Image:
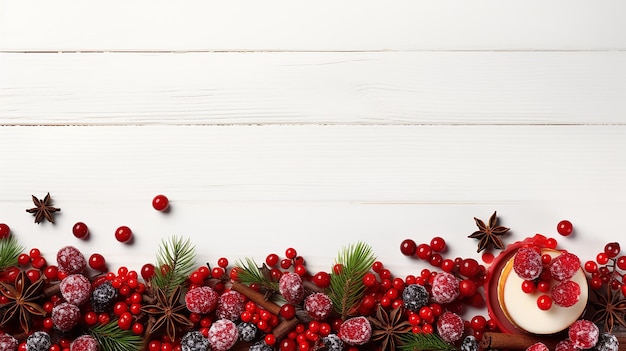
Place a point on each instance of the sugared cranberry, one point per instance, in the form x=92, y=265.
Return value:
x=584, y=334
x=527, y=263
x=450, y=326
x=355, y=331
x=70, y=260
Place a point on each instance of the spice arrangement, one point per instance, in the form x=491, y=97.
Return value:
x=72, y=302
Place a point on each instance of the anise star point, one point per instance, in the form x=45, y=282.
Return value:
x=43, y=209
x=488, y=235
x=388, y=326
x=167, y=313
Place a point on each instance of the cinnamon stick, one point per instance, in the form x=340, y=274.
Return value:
x=501, y=341
x=257, y=297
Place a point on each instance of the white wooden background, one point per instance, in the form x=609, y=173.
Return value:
x=272, y=124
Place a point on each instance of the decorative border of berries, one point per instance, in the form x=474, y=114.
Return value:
x=178, y=305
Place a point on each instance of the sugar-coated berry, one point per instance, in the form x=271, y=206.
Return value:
x=607, y=342
x=38, y=341
x=355, y=331
x=247, y=331
x=584, y=334
x=450, y=326
x=538, y=346
x=160, y=202
x=445, y=288
x=103, y=297
x=201, y=300
x=80, y=230
x=527, y=263
x=291, y=287
x=332, y=342
x=194, y=341
x=565, y=345
x=230, y=305
x=415, y=296
x=223, y=334
x=8, y=342
x=123, y=234
x=318, y=306
x=261, y=345
x=564, y=266
x=469, y=344
x=75, y=289
x=70, y=260
x=65, y=316
x=84, y=343
x=566, y=293
x=564, y=227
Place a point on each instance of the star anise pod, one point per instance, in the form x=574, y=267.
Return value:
x=23, y=304
x=388, y=326
x=610, y=307
x=167, y=311
x=489, y=234
x=43, y=209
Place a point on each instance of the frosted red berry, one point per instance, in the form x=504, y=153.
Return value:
x=355, y=331
x=160, y=202
x=527, y=263
x=445, y=288
x=538, y=346
x=230, y=305
x=80, y=230
x=84, y=343
x=291, y=287
x=201, y=300
x=450, y=326
x=564, y=227
x=75, y=289
x=223, y=335
x=8, y=342
x=564, y=266
x=318, y=306
x=70, y=260
x=5, y=231
x=584, y=334
x=123, y=234
x=65, y=316
x=566, y=293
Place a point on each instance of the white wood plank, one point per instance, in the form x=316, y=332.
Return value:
x=191, y=25
x=311, y=88
x=247, y=191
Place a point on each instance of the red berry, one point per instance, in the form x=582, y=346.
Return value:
x=318, y=306
x=80, y=230
x=528, y=286
x=290, y=286
x=147, y=271
x=287, y=311
x=38, y=262
x=230, y=305
x=321, y=279
x=355, y=331
x=450, y=327
x=423, y=251
x=65, y=316
x=584, y=334
x=612, y=249
x=97, y=262
x=377, y=266
x=23, y=259
x=469, y=267
x=291, y=253
x=478, y=323
x=445, y=288
x=271, y=260
x=51, y=272
x=33, y=275
x=544, y=302
x=408, y=247
x=70, y=260
x=5, y=231
x=621, y=262
x=285, y=263
x=369, y=280
x=75, y=289
x=602, y=258
x=592, y=267
x=566, y=293
x=564, y=227
x=223, y=335
x=160, y=202
x=438, y=244
x=527, y=263
x=222, y=262
x=564, y=266
x=123, y=234
x=538, y=346
x=543, y=286
x=467, y=287
x=551, y=243
x=201, y=300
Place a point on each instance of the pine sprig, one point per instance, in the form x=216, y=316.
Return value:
x=346, y=287
x=10, y=249
x=423, y=342
x=111, y=338
x=250, y=273
x=179, y=256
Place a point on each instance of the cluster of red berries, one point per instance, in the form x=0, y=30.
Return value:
x=608, y=268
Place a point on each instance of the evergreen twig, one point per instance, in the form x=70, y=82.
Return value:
x=250, y=273
x=111, y=338
x=346, y=287
x=10, y=249
x=423, y=342
x=178, y=256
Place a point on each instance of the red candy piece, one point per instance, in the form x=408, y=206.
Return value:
x=65, y=316
x=565, y=345
x=355, y=331
x=70, y=260
x=527, y=263
x=450, y=326
x=7, y=342
x=445, y=288
x=201, y=300
x=75, y=289
x=230, y=305
x=566, y=293
x=538, y=346
x=223, y=335
x=584, y=334
x=318, y=306
x=84, y=343
x=290, y=286
x=564, y=266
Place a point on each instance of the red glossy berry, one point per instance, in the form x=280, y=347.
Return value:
x=287, y=311
x=602, y=258
x=467, y=287
x=478, y=323
x=80, y=230
x=97, y=262
x=51, y=272
x=544, y=302
x=543, y=286
x=271, y=260
x=90, y=318
x=222, y=262
x=123, y=234
x=369, y=280
x=423, y=251
x=23, y=259
x=33, y=275
x=160, y=202
x=469, y=267
x=147, y=271
x=612, y=249
x=551, y=243
x=5, y=231
x=321, y=279
x=285, y=263
x=592, y=267
x=438, y=244
x=38, y=262
x=408, y=247
x=564, y=227
x=528, y=286
x=270, y=339
x=138, y=328
x=621, y=262
x=291, y=253
x=377, y=266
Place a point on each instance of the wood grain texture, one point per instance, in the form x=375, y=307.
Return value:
x=283, y=25
x=314, y=88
